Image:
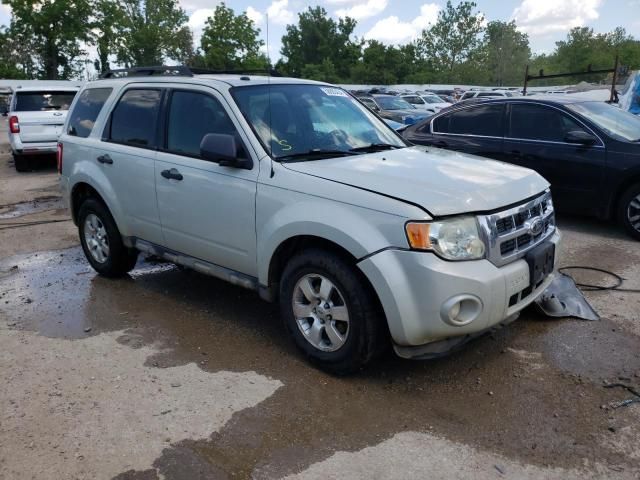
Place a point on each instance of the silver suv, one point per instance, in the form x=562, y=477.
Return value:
x=294, y=189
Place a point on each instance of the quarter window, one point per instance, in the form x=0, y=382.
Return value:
x=482, y=120
x=86, y=110
x=133, y=121
x=191, y=116
x=538, y=122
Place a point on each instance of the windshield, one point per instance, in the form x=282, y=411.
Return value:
x=617, y=123
x=432, y=99
x=393, y=103
x=293, y=120
x=39, y=101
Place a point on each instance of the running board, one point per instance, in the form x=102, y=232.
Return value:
x=202, y=266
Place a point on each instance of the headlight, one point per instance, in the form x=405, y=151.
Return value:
x=452, y=239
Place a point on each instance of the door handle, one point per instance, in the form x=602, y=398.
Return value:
x=105, y=159
x=172, y=174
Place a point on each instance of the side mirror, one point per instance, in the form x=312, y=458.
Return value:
x=222, y=148
x=580, y=137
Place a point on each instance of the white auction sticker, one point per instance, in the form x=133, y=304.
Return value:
x=334, y=92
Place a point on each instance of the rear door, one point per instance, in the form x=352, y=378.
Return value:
x=42, y=114
x=127, y=158
x=477, y=129
x=535, y=138
x=209, y=211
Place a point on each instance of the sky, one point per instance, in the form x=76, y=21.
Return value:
x=399, y=21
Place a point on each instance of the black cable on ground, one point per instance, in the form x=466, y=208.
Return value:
x=587, y=287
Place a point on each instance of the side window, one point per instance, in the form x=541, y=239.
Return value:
x=414, y=100
x=86, y=110
x=133, y=121
x=482, y=120
x=467, y=95
x=191, y=116
x=538, y=122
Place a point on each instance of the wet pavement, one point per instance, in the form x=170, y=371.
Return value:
x=528, y=401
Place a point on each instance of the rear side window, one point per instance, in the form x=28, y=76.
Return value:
x=86, y=110
x=191, y=116
x=483, y=120
x=133, y=121
x=43, y=101
x=539, y=122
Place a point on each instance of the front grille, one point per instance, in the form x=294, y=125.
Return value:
x=513, y=232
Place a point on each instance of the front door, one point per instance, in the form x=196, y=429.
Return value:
x=536, y=139
x=207, y=211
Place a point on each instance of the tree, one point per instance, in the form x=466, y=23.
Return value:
x=507, y=53
x=109, y=18
x=153, y=31
x=230, y=41
x=55, y=29
x=316, y=39
x=16, y=60
x=453, y=39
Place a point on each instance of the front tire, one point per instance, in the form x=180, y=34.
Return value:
x=331, y=312
x=629, y=211
x=102, y=242
x=21, y=163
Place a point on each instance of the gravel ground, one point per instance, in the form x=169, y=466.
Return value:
x=169, y=374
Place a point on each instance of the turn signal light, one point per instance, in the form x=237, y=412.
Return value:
x=14, y=125
x=418, y=235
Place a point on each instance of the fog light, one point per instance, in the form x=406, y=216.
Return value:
x=461, y=310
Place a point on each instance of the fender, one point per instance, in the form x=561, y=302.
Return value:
x=92, y=175
x=346, y=225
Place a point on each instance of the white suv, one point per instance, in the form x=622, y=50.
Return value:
x=295, y=189
x=36, y=115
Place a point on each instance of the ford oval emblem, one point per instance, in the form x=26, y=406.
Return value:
x=536, y=226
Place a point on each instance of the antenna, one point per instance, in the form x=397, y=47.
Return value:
x=269, y=102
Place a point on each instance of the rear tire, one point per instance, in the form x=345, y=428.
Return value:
x=102, y=242
x=21, y=163
x=629, y=211
x=331, y=312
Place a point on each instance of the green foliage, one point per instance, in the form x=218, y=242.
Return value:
x=317, y=38
x=15, y=60
x=453, y=40
x=109, y=19
x=54, y=30
x=506, y=52
x=231, y=41
x=153, y=31
x=582, y=48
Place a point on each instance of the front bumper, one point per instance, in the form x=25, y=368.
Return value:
x=416, y=288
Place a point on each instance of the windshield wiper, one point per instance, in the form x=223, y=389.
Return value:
x=375, y=147
x=316, y=154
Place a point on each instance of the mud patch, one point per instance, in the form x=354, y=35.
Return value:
x=421, y=455
x=92, y=409
x=37, y=205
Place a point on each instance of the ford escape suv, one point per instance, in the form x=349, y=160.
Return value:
x=36, y=116
x=296, y=190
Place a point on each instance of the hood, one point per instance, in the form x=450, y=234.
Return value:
x=441, y=181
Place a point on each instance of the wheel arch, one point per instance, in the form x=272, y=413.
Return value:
x=634, y=179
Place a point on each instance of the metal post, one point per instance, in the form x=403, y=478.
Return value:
x=613, y=96
x=526, y=81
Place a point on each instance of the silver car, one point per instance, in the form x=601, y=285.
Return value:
x=294, y=189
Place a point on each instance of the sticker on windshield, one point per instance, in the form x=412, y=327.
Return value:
x=334, y=92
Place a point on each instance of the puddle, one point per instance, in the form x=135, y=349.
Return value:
x=41, y=204
x=485, y=396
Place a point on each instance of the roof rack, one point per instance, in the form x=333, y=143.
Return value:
x=179, y=70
